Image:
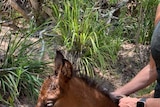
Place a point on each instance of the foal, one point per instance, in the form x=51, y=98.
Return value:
x=67, y=90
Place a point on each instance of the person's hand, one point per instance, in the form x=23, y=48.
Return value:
x=128, y=102
x=115, y=94
x=116, y=97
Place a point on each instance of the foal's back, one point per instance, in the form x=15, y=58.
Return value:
x=79, y=94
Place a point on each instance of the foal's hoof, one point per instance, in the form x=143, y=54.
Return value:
x=49, y=103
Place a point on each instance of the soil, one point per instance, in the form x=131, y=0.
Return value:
x=131, y=58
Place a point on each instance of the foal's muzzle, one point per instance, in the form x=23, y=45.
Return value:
x=50, y=103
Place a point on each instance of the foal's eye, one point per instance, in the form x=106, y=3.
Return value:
x=56, y=72
x=53, y=87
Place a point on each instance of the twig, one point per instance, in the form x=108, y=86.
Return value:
x=10, y=69
x=110, y=13
x=43, y=43
x=19, y=9
x=121, y=4
x=34, y=4
x=140, y=19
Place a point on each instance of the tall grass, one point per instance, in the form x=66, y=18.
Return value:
x=83, y=34
x=20, y=68
x=148, y=11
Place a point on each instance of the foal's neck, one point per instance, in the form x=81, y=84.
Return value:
x=85, y=94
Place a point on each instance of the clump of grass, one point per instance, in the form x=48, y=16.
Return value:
x=148, y=12
x=20, y=70
x=83, y=34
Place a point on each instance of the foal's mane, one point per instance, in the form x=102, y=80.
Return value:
x=98, y=83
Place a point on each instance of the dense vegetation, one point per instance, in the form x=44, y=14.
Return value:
x=88, y=32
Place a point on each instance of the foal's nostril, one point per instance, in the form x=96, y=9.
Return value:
x=50, y=103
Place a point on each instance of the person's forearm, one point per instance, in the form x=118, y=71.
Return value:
x=141, y=80
x=153, y=102
x=157, y=17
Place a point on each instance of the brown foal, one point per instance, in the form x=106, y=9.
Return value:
x=66, y=90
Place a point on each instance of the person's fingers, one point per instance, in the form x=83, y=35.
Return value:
x=128, y=102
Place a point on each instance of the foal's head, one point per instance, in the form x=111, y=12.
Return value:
x=67, y=90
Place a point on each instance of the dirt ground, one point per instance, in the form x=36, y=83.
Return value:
x=131, y=58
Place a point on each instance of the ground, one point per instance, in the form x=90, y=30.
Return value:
x=131, y=59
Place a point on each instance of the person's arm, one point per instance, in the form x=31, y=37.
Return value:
x=145, y=77
x=157, y=17
x=153, y=102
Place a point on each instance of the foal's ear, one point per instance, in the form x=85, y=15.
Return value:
x=65, y=74
x=62, y=66
x=67, y=69
x=58, y=61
